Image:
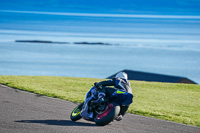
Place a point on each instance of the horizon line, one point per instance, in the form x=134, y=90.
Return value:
x=105, y=15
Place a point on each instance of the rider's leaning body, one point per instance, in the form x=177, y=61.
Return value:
x=119, y=82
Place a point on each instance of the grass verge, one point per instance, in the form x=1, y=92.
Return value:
x=174, y=102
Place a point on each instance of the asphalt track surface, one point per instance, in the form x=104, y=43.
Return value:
x=23, y=112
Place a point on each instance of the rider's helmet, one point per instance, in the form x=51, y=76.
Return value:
x=122, y=75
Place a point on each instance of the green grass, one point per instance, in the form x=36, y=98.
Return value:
x=174, y=102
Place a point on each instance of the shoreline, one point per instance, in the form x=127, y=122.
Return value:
x=52, y=42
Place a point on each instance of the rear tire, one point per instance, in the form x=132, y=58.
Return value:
x=108, y=115
x=75, y=115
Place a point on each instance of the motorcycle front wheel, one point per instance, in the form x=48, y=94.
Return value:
x=75, y=115
x=109, y=114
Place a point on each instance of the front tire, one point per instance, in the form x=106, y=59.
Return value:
x=75, y=115
x=108, y=115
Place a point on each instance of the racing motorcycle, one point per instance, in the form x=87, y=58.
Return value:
x=102, y=113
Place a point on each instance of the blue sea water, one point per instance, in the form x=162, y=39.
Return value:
x=165, y=45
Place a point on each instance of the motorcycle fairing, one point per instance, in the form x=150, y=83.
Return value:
x=84, y=113
x=88, y=97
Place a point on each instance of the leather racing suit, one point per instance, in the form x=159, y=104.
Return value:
x=119, y=84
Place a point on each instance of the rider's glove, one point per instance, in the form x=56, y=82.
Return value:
x=97, y=86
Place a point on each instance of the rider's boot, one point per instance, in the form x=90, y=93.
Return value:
x=122, y=113
x=119, y=118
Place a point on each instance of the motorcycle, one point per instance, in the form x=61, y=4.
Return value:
x=102, y=113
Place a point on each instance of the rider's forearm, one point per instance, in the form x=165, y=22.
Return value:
x=107, y=83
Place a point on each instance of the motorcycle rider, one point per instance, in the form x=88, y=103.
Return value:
x=120, y=82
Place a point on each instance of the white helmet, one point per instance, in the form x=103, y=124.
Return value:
x=122, y=75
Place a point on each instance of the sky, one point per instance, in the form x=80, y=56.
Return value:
x=156, y=7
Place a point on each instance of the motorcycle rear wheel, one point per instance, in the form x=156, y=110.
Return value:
x=75, y=115
x=111, y=112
